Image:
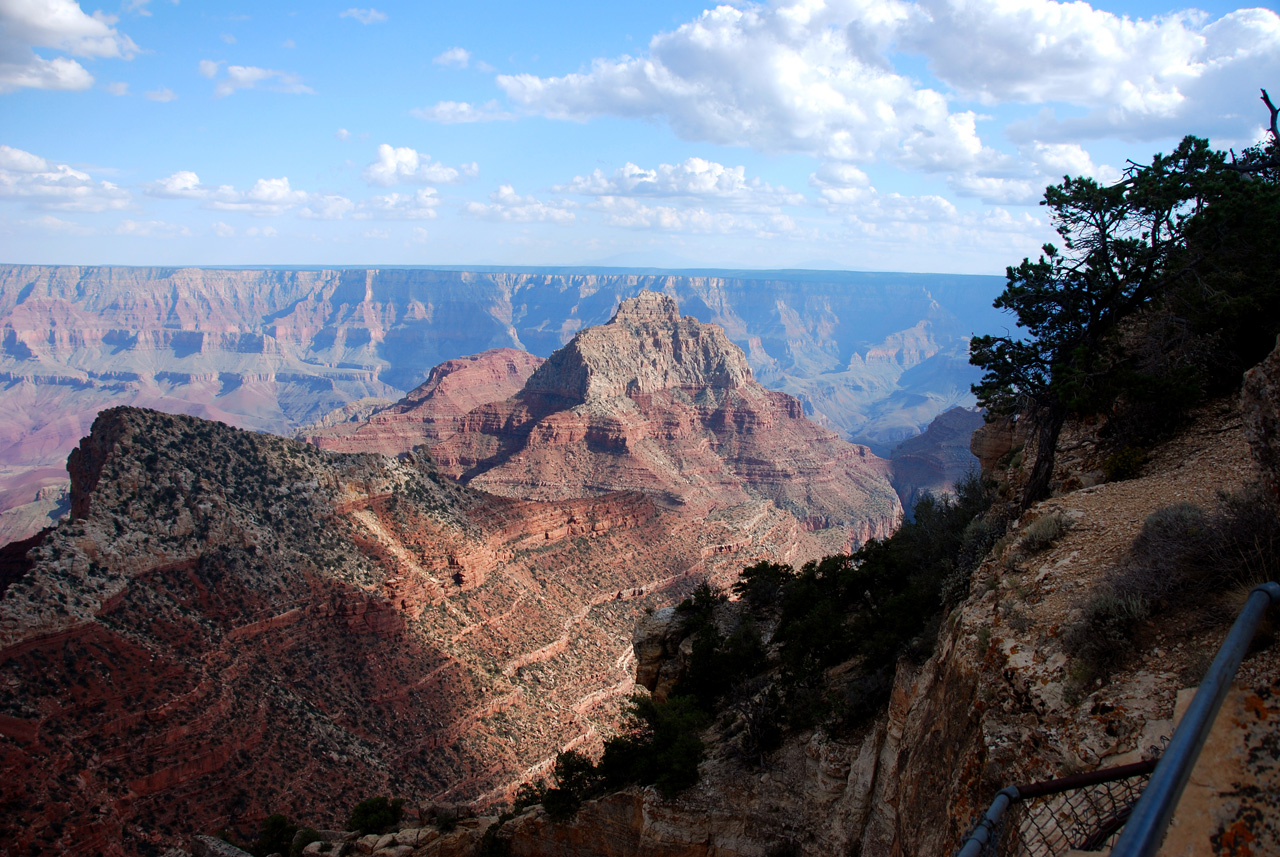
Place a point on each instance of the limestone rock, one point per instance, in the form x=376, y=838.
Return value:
x=1260, y=400
x=211, y=846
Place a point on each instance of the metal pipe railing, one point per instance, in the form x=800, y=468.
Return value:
x=1144, y=832
x=986, y=830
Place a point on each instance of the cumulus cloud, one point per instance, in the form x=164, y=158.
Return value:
x=240, y=77
x=55, y=25
x=1140, y=78
x=454, y=57
x=364, y=16
x=819, y=77
x=783, y=78
x=118, y=88
x=458, y=112
x=695, y=178
x=342, y=134
x=261, y=232
x=420, y=205
x=266, y=198
x=508, y=206
x=45, y=185
x=223, y=230
x=405, y=165
x=163, y=94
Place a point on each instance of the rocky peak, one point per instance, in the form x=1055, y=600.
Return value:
x=647, y=308
x=645, y=348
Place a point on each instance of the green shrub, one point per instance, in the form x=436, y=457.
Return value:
x=376, y=815
x=275, y=836
x=1184, y=559
x=302, y=839
x=1126, y=463
x=1044, y=531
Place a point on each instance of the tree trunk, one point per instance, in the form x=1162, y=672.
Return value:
x=1049, y=421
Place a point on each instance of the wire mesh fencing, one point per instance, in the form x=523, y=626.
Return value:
x=1084, y=812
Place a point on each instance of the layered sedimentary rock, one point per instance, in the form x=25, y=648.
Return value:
x=434, y=410
x=650, y=402
x=939, y=457
x=234, y=624
x=872, y=356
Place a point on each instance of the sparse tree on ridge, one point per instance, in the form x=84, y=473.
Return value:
x=1124, y=246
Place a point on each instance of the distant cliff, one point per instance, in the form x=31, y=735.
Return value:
x=872, y=356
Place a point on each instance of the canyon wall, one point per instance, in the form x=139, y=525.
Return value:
x=872, y=356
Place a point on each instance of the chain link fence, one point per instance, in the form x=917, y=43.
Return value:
x=1083, y=812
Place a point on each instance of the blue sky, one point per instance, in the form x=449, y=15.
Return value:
x=863, y=134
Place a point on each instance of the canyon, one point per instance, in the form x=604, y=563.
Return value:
x=232, y=623
x=873, y=357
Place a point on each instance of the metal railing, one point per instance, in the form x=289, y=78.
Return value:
x=1143, y=813
x=1145, y=830
x=1045, y=819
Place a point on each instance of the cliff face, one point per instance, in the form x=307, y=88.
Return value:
x=651, y=402
x=235, y=624
x=869, y=355
x=998, y=702
x=434, y=410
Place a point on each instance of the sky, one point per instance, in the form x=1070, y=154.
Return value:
x=853, y=134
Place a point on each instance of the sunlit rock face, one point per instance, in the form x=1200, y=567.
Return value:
x=873, y=357
x=651, y=402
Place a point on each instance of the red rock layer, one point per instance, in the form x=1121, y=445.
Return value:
x=431, y=412
x=235, y=624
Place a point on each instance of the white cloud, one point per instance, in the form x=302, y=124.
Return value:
x=266, y=198
x=250, y=77
x=377, y=233
x=404, y=165
x=420, y=205
x=118, y=88
x=163, y=94
x=228, y=38
x=326, y=207
x=152, y=229
x=343, y=134
x=183, y=184
x=842, y=184
x=419, y=235
x=223, y=230
x=364, y=16
x=261, y=232
x=458, y=112
x=56, y=25
x=55, y=187
x=506, y=205
x=783, y=78
x=1143, y=78
x=454, y=57
x=694, y=178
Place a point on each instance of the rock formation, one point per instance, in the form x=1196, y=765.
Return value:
x=935, y=460
x=995, y=705
x=649, y=402
x=233, y=624
x=872, y=356
x=432, y=412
